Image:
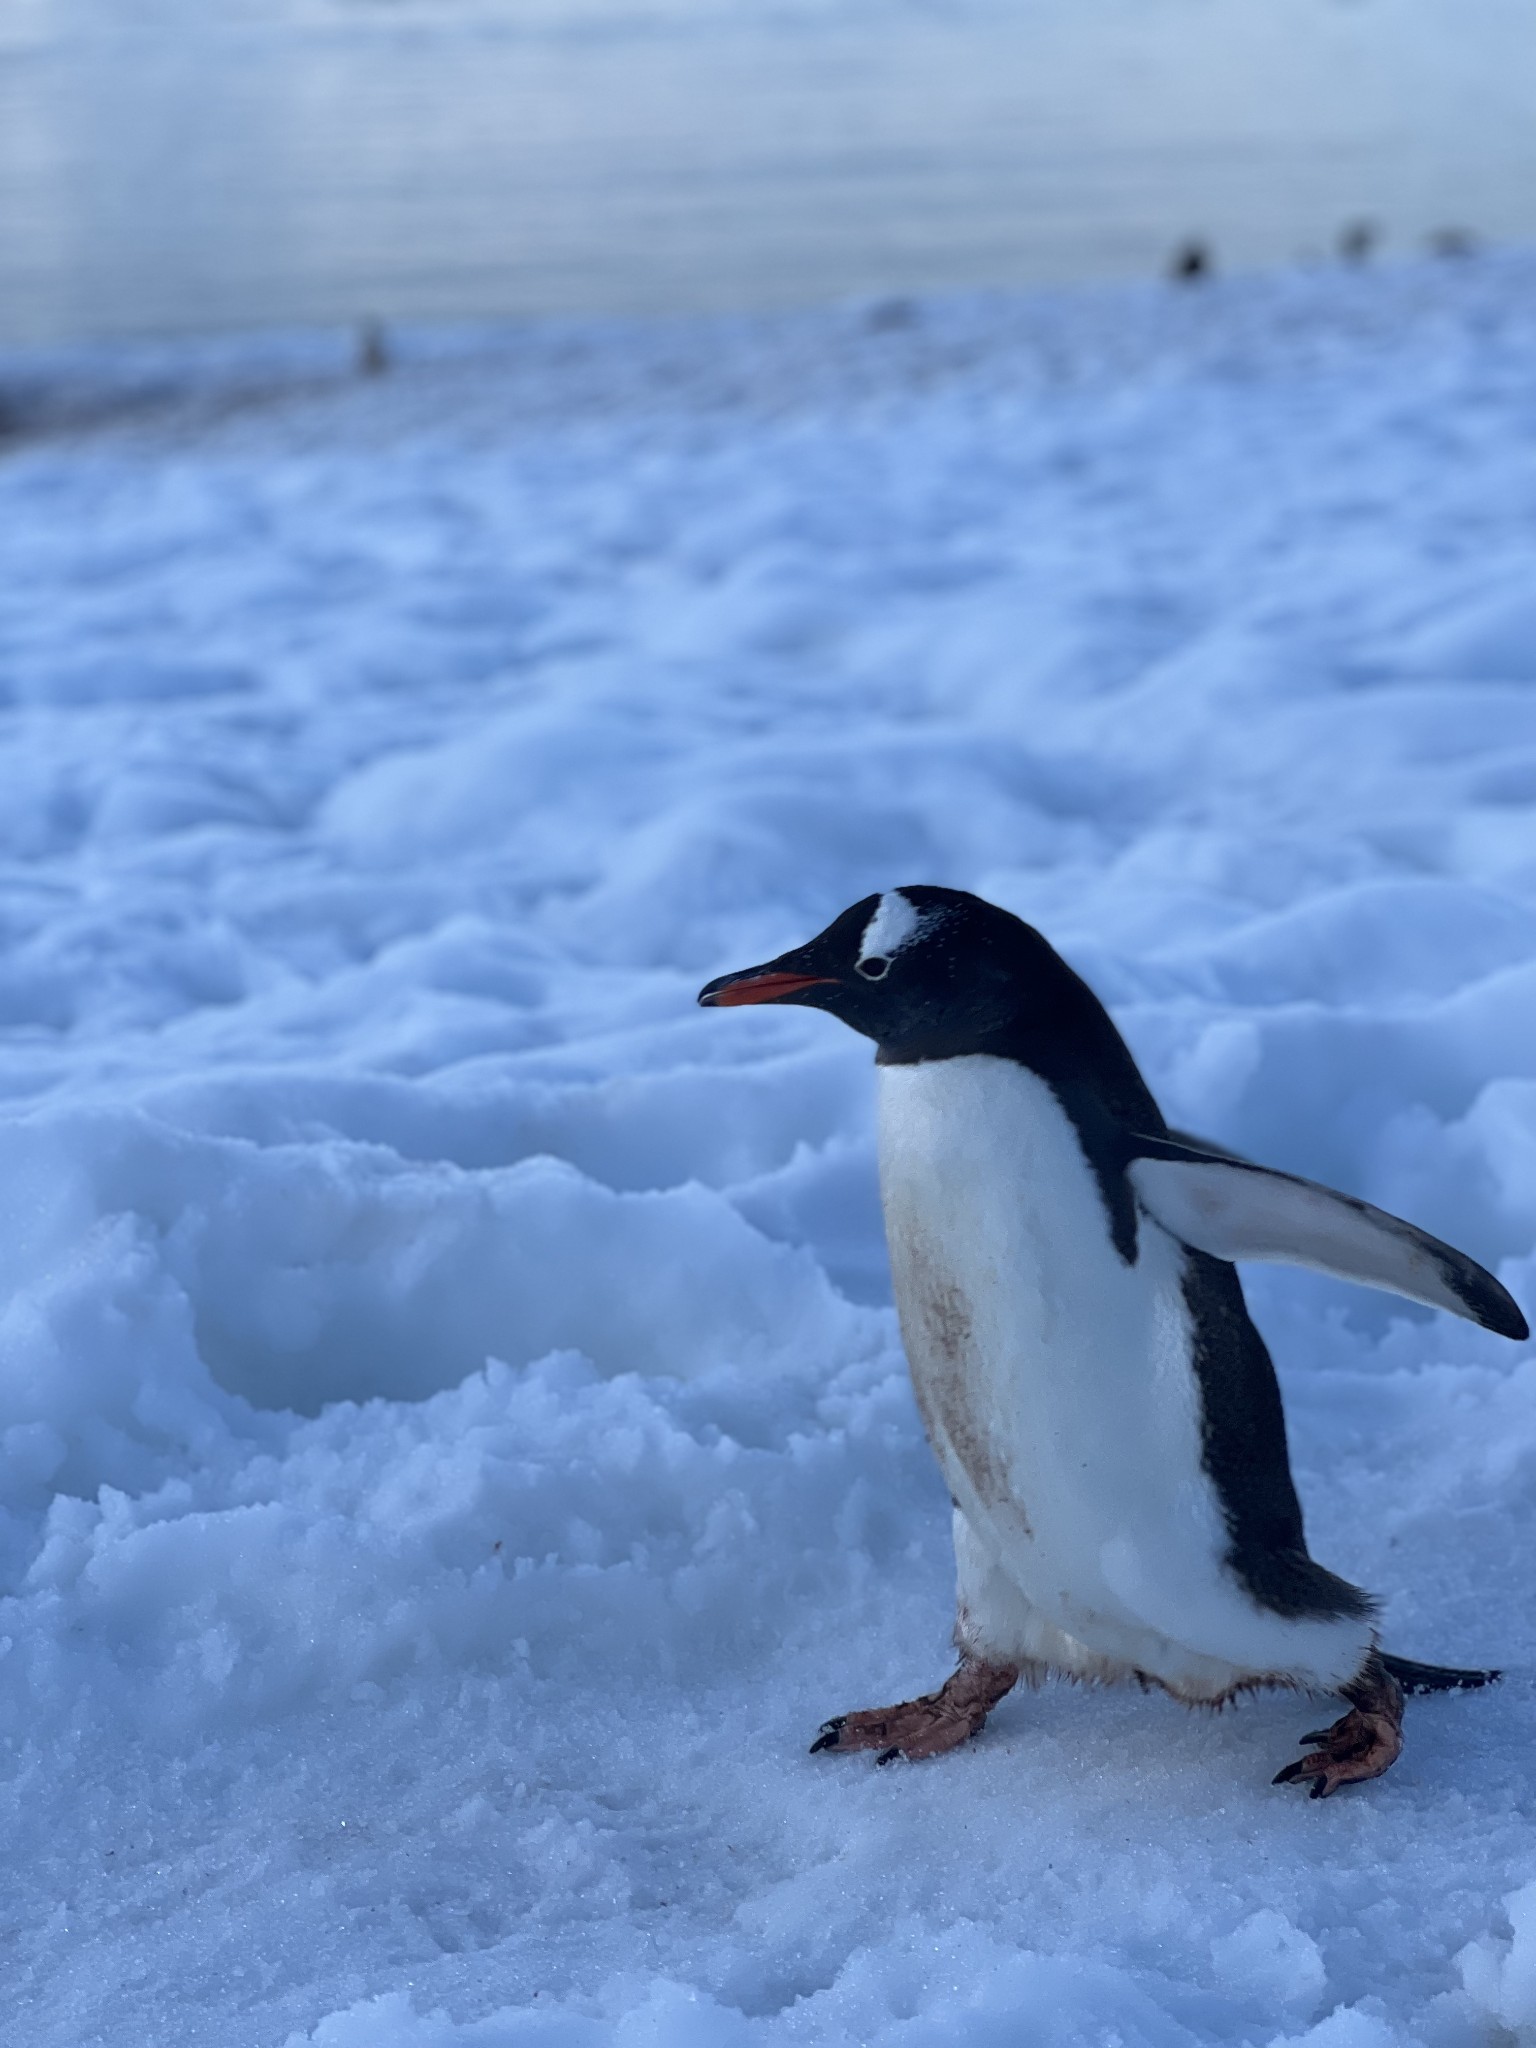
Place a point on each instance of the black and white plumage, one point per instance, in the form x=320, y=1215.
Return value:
x=1104, y=1411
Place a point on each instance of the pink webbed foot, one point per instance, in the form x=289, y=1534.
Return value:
x=1360, y=1744
x=925, y=1727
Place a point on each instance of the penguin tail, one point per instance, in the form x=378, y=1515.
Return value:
x=1419, y=1678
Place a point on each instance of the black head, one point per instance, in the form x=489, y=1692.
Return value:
x=934, y=974
x=918, y=966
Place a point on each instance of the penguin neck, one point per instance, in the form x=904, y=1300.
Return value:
x=1072, y=1045
x=1088, y=1067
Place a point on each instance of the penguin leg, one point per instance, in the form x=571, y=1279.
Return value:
x=992, y=1622
x=929, y=1726
x=1362, y=1743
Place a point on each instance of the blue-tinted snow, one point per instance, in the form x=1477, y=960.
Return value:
x=455, y=1444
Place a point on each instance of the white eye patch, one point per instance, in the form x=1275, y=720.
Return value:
x=894, y=925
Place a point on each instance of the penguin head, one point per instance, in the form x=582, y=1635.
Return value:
x=926, y=972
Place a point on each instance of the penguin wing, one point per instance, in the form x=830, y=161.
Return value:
x=1235, y=1210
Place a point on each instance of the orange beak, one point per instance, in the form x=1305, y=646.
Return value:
x=758, y=987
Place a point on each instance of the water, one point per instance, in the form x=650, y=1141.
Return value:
x=168, y=165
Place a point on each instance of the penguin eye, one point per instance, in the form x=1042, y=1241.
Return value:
x=875, y=968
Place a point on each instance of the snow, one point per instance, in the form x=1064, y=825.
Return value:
x=454, y=1444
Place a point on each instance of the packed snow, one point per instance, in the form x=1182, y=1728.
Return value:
x=456, y=1445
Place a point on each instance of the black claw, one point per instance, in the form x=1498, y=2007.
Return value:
x=1321, y=1789
x=826, y=1740
x=1303, y=1767
x=887, y=1756
x=1318, y=1735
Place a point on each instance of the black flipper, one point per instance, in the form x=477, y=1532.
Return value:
x=1436, y=1677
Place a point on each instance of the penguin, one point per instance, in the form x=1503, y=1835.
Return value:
x=1103, y=1409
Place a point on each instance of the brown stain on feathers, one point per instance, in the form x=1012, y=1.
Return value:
x=938, y=1327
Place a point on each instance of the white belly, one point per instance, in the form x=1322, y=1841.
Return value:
x=1056, y=1386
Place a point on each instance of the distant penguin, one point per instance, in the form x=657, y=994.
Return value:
x=1358, y=240
x=1191, y=262
x=1453, y=243
x=1105, y=1413
x=372, y=349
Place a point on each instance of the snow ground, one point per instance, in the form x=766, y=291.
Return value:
x=455, y=1443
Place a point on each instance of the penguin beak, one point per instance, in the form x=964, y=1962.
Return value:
x=770, y=984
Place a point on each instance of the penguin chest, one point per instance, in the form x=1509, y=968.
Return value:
x=1054, y=1377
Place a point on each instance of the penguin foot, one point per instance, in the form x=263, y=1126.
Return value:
x=929, y=1726
x=1362, y=1743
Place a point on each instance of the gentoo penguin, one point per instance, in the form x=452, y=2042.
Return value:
x=1105, y=1413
